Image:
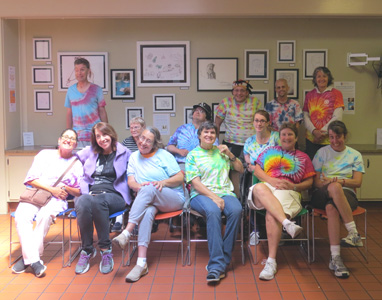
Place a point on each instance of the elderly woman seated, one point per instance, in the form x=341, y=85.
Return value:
x=283, y=172
x=155, y=176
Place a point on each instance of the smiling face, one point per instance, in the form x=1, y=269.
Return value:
x=288, y=139
x=322, y=80
x=199, y=115
x=146, y=142
x=337, y=141
x=260, y=123
x=282, y=88
x=136, y=130
x=240, y=93
x=68, y=141
x=104, y=141
x=81, y=72
x=207, y=137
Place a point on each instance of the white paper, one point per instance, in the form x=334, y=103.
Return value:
x=379, y=136
x=347, y=89
x=11, y=77
x=28, y=139
x=162, y=122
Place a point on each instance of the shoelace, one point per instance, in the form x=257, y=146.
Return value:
x=83, y=259
x=106, y=258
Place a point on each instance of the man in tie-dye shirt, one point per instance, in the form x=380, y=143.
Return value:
x=283, y=110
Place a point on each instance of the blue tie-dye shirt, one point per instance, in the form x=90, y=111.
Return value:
x=288, y=112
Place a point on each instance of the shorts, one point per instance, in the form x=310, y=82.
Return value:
x=320, y=198
x=289, y=200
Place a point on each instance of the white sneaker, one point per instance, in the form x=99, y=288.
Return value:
x=254, y=238
x=352, y=240
x=269, y=271
x=121, y=240
x=293, y=229
x=337, y=265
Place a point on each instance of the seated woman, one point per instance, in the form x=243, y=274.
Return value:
x=338, y=172
x=104, y=192
x=155, y=176
x=283, y=172
x=41, y=175
x=207, y=168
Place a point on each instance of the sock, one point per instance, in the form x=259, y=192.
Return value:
x=126, y=233
x=271, y=260
x=141, y=261
x=285, y=222
x=335, y=250
x=351, y=228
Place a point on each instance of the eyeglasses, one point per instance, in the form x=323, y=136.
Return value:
x=201, y=110
x=66, y=137
x=144, y=140
x=260, y=121
x=135, y=127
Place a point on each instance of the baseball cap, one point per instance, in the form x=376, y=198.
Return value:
x=205, y=107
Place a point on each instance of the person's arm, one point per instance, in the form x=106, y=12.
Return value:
x=76, y=192
x=318, y=134
x=174, y=150
x=134, y=185
x=103, y=114
x=69, y=118
x=250, y=167
x=262, y=176
x=173, y=181
x=354, y=182
x=337, y=115
x=56, y=191
x=236, y=163
x=203, y=190
x=218, y=122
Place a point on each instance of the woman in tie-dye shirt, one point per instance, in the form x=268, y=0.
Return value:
x=283, y=172
x=322, y=105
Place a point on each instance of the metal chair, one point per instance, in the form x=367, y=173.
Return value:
x=357, y=212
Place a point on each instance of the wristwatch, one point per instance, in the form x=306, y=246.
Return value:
x=233, y=158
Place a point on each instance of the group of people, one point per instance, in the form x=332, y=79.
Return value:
x=140, y=173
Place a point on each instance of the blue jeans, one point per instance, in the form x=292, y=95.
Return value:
x=220, y=248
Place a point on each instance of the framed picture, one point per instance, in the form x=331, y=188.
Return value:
x=291, y=76
x=42, y=75
x=187, y=114
x=42, y=49
x=214, y=107
x=164, y=103
x=256, y=64
x=132, y=112
x=122, y=84
x=163, y=63
x=313, y=58
x=43, y=101
x=98, y=66
x=261, y=95
x=286, y=51
x=216, y=74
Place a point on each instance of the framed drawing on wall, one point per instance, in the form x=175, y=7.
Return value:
x=216, y=74
x=42, y=75
x=313, y=58
x=123, y=84
x=187, y=114
x=214, y=107
x=256, y=64
x=42, y=49
x=98, y=66
x=261, y=95
x=43, y=101
x=132, y=112
x=291, y=76
x=286, y=51
x=164, y=103
x=163, y=63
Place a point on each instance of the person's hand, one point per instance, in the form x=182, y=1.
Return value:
x=183, y=152
x=318, y=135
x=219, y=202
x=59, y=193
x=158, y=184
x=285, y=185
x=140, y=185
x=224, y=149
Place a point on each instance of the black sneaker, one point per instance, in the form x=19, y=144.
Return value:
x=38, y=268
x=19, y=267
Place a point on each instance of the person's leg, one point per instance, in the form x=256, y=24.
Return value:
x=83, y=207
x=208, y=209
x=336, y=192
x=232, y=211
x=144, y=232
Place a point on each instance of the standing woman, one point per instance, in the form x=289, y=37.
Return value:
x=339, y=170
x=104, y=192
x=322, y=105
x=43, y=176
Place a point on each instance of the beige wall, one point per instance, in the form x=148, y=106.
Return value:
x=209, y=38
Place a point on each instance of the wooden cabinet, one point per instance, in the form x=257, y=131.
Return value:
x=371, y=189
x=17, y=168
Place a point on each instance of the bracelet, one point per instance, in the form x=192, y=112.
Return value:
x=63, y=188
x=233, y=158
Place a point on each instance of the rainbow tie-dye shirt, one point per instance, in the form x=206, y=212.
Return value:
x=320, y=107
x=294, y=166
x=238, y=118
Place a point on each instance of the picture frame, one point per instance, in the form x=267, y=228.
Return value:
x=43, y=101
x=42, y=75
x=164, y=63
x=286, y=51
x=187, y=114
x=261, y=95
x=122, y=84
x=214, y=106
x=216, y=73
x=42, y=49
x=164, y=103
x=98, y=65
x=256, y=64
x=291, y=76
x=313, y=58
x=132, y=112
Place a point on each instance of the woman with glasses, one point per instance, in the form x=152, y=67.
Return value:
x=283, y=172
x=43, y=176
x=104, y=192
x=155, y=176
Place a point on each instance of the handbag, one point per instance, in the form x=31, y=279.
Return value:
x=41, y=197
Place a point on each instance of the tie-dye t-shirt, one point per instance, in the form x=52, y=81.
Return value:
x=294, y=166
x=338, y=164
x=320, y=107
x=185, y=137
x=85, y=109
x=288, y=112
x=213, y=169
x=238, y=118
x=253, y=148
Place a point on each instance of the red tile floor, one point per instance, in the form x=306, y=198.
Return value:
x=168, y=279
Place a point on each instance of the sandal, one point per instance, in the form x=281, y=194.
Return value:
x=215, y=276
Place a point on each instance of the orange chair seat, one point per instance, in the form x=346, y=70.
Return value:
x=358, y=211
x=171, y=214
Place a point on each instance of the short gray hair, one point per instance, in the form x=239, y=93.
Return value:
x=138, y=120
